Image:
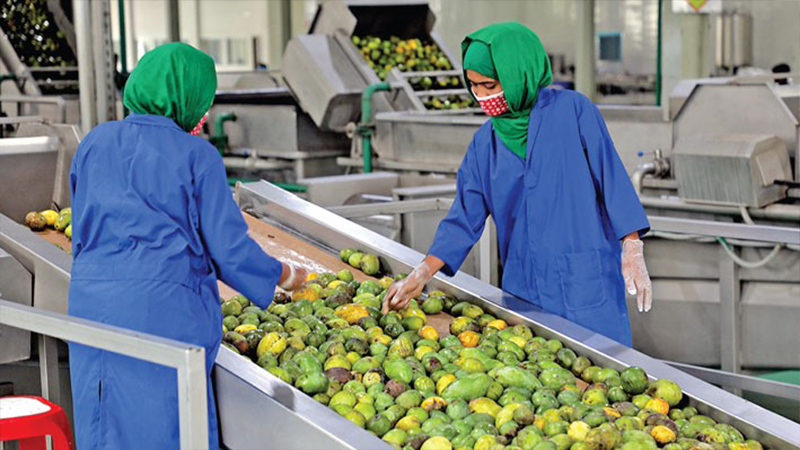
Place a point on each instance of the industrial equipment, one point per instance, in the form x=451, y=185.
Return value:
x=327, y=74
x=732, y=169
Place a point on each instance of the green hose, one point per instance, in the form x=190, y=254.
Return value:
x=366, y=128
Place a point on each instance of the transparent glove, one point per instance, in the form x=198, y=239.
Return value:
x=292, y=277
x=634, y=270
x=401, y=292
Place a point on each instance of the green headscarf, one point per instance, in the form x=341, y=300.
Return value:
x=174, y=80
x=512, y=54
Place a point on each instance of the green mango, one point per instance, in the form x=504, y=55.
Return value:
x=433, y=305
x=555, y=378
x=400, y=348
x=566, y=357
x=346, y=253
x=296, y=327
x=528, y=437
x=469, y=387
x=307, y=363
x=508, y=346
x=514, y=395
x=409, y=399
x=379, y=425
x=667, y=390
x=366, y=364
x=370, y=264
x=495, y=390
x=398, y=369
x=312, y=383
x=517, y=377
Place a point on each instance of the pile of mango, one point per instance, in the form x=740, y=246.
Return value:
x=414, y=55
x=32, y=31
x=489, y=385
x=408, y=55
x=367, y=263
x=58, y=220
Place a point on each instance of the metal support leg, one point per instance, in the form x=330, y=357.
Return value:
x=485, y=253
x=48, y=369
x=730, y=315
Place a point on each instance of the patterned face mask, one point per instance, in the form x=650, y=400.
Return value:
x=493, y=105
x=196, y=130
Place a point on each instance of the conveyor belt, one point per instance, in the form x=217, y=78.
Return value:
x=286, y=247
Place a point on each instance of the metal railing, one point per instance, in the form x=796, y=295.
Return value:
x=187, y=359
x=58, y=101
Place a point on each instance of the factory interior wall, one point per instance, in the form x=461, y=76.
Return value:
x=775, y=31
x=147, y=25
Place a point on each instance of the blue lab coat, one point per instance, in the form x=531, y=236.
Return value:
x=154, y=227
x=560, y=213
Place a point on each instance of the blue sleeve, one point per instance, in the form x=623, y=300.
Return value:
x=463, y=225
x=239, y=260
x=625, y=211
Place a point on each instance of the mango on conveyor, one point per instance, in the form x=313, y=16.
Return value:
x=487, y=386
x=35, y=221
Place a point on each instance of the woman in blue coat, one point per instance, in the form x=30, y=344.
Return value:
x=544, y=167
x=154, y=227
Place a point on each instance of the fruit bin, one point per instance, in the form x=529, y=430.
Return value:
x=244, y=390
x=327, y=72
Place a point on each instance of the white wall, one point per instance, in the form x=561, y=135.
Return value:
x=555, y=21
x=776, y=27
x=240, y=20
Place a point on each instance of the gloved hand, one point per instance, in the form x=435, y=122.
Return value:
x=292, y=277
x=401, y=292
x=634, y=270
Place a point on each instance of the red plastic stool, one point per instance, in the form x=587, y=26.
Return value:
x=28, y=419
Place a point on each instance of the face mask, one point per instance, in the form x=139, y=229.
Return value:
x=197, y=129
x=494, y=104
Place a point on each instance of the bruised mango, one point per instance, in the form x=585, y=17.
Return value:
x=352, y=313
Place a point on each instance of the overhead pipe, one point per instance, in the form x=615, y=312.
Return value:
x=367, y=128
x=787, y=213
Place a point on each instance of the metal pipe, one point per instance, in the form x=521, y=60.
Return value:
x=16, y=68
x=83, y=29
x=642, y=170
x=789, y=213
x=291, y=187
x=220, y=139
x=59, y=101
x=366, y=129
x=252, y=163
